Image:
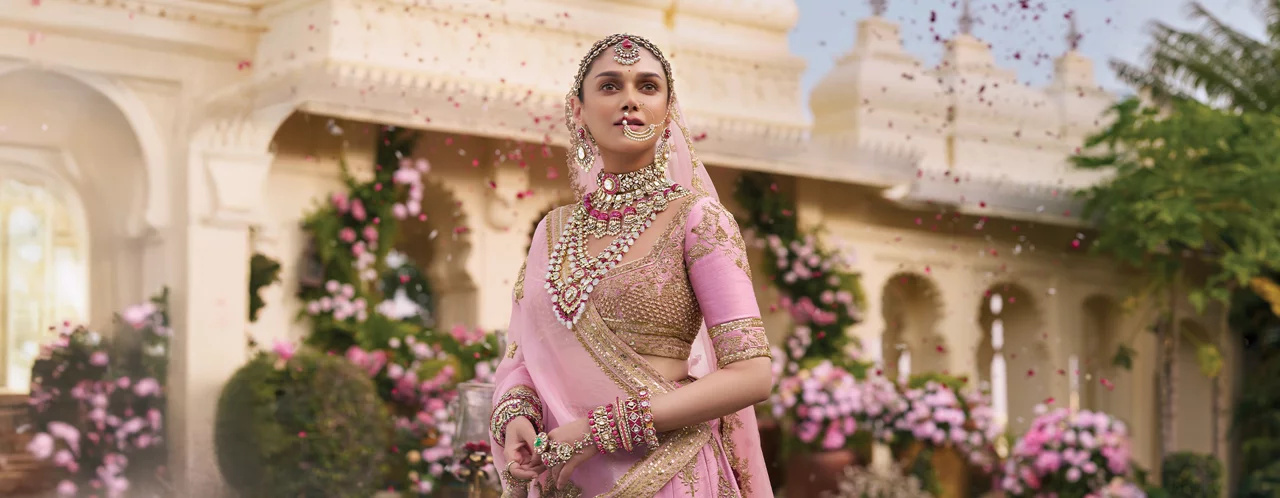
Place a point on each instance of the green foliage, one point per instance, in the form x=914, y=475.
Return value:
x=263, y=272
x=1256, y=423
x=1218, y=61
x=919, y=380
x=1261, y=483
x=1189, y=180
x=310, y=425
x=1190, y=475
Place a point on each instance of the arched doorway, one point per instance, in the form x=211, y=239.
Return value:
x=911, y=306
x=1013, y=357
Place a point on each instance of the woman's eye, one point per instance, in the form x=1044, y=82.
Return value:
x=608, y=86
x=650, y=86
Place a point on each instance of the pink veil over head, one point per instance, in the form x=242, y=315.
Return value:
x=740, y=430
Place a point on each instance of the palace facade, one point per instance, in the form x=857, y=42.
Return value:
x=154, y=143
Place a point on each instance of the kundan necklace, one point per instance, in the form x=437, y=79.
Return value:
x=623, y=207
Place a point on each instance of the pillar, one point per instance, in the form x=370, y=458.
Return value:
x=962, y=290
x=224, y=187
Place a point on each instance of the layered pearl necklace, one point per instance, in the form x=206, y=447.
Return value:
x=623, y=207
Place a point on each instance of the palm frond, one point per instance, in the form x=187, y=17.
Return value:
x=1194, y=61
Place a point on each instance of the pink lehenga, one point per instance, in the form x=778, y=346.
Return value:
x=689, y=297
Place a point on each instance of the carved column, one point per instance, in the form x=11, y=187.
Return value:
x=226, y=173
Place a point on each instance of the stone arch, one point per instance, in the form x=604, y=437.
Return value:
x=1193, y=405
x=71, y=130
x=442, y=246
x=1013, y=340
x=912, y=306
x=146, y=133
x=1100, y=327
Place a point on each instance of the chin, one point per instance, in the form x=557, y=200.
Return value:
x=625, y=146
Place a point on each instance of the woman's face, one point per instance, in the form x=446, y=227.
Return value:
x=610, y=88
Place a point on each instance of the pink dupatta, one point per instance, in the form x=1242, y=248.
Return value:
x=574, y=371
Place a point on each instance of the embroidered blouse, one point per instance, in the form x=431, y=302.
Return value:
x=696, y=271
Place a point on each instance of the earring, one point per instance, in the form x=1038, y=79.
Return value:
x=584, y=148
x=663, y=153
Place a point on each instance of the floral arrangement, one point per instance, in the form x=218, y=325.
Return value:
x=1119, y=488
x=368, y=303
x=942, y=415
x=819, y=288
x=1069, y=454
x=98, y=410
x=827, y=408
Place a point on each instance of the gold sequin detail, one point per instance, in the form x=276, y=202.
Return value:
x=569, y=490
x=742, y=474
x=649, y=302
x=511, y=350
x=718, y=232
x=738, y=340
x=518, y=291
x=689, y=476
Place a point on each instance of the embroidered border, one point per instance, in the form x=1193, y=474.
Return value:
x=518, y=290
x=632, y=373
x=738, y=340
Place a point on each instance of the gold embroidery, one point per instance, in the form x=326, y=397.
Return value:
x=689, y=476
x=724, y=487
x=739, y=340
x=741, y=473
x=518, y=292
x=570, y=490
x=714, y=237
x=649, y=302
x=511, y=350
x=632, y=373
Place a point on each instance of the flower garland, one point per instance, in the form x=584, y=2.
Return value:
x=367, y=302
x=1069, y=454
x=98, y=413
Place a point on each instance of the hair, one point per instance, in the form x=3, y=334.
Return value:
x=599, y=47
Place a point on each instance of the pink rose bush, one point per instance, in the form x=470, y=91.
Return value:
x=939, y=415
x=98, y=411
x=1069, y=455
x=824, y=404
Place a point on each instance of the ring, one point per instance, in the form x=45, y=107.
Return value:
x=508, y=468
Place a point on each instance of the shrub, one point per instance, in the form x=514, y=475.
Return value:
x=303, y=424
x=1191, y=475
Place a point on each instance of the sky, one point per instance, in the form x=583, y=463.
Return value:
x=1110, y=29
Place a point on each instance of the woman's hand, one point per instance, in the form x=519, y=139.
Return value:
x=569, y=434
x=519, y=448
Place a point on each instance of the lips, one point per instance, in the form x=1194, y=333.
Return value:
x=630, y=122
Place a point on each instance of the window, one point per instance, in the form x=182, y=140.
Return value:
x=42, y=276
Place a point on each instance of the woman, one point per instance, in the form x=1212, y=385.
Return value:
x=636, y=352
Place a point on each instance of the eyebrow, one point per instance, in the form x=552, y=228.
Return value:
x=615, y=74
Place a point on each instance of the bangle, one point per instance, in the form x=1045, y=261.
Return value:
x=519, y=401
x=603, y=429
x=624, y=436
x=639, y=420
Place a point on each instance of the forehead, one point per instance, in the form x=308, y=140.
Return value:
x=648, y=63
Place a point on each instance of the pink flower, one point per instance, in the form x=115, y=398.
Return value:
x=284, y=349
x=146, y=387
x=370, y=233
x=67, y=488
x=63, y=458
x=347, y=235
x=136, y=316
x=357, y=210
x=99, y=359
x=41, y=446
x=339, y=200
x=834, y=439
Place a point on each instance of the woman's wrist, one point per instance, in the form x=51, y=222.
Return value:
x=517, y=402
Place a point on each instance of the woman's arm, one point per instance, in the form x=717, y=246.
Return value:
x=716, y=258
